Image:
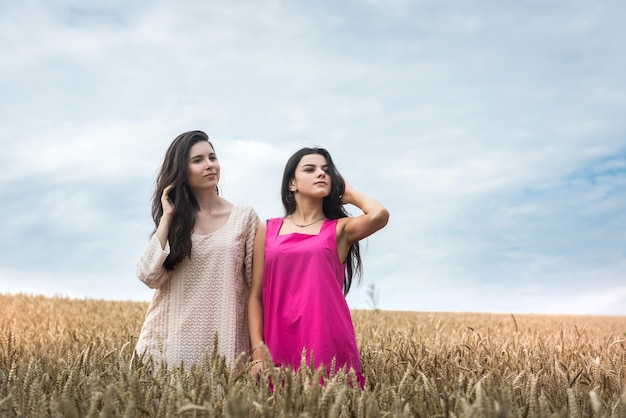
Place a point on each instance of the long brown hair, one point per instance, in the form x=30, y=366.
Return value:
x=174, y=171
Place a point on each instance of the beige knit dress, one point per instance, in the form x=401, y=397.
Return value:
x=205, y=293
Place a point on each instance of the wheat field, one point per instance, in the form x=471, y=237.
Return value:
x=63, y=357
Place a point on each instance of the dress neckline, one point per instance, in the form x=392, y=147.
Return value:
x=230, y=215
x=282, y=220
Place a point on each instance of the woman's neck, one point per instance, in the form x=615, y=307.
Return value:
x=209, y=202
x=307, y=211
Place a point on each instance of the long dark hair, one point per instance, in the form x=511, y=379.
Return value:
x=332, y=206
x=174, y=171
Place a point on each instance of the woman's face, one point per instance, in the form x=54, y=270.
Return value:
x=203, y=169
x=311, y=177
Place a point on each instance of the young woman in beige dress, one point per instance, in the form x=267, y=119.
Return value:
x=198, y=260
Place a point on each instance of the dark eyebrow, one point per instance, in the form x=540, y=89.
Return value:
x=313, y=165
x=201, y=155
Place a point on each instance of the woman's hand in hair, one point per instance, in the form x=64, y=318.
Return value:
x=166, y=202
x=354, y=228
x=163, y=229
x=347, y=193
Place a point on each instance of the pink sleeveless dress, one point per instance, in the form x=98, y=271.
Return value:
x=303, y=302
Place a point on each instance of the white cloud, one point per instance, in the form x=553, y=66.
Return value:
x=104, y=149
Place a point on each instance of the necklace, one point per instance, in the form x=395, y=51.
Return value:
x=305, y=225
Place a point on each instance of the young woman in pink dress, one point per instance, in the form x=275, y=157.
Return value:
x=303, y=267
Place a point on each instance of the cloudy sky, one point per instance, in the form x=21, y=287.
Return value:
x=494, y=132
